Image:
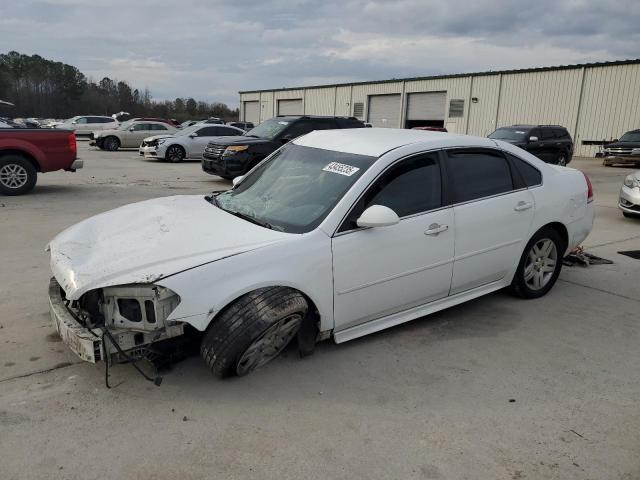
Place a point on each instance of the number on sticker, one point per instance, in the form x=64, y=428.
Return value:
x=341, y=168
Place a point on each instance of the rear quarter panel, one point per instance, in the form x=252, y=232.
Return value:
x=48, y=147
x=561, y=198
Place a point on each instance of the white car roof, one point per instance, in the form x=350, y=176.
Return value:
x=376, y=141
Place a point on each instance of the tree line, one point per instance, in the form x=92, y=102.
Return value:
x=43, y=88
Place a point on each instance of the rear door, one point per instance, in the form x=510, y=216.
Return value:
x=141, y=130
x=381, y=271
x=550, y=146
x=493, y=213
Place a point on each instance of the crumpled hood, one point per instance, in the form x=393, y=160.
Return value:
x=156, y=137
x=146, y=241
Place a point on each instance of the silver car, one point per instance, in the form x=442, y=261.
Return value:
x=630, y=195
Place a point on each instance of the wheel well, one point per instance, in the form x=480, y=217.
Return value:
x=24, y=155
x=312, y=306
x=561, y=230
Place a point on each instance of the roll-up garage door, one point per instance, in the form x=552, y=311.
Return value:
x=384, y=111
x=252, y=112
x=290, y=107
x=426, y=106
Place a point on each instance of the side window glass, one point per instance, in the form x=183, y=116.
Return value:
x=208, y=132
x=547, y=134
x=81, y=121
x=327, y=124
x=228, y=132
x=141, y=126
x=299, y=128
x=159, y=127
x=530, y=174
x=478, y=174
x=413, y=186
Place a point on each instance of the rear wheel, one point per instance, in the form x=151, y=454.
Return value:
x=111, y=144
x=253, y=330
x=539, y=265
x=17, y=175
x=175, y=154
x=562, y=159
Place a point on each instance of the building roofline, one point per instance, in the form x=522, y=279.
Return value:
x=456, y=75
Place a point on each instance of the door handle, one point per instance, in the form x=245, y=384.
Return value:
x=435, y=229
x=522, y=206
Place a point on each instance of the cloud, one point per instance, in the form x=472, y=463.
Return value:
x=210, y=50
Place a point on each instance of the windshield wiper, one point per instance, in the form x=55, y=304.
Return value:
x=249, y=218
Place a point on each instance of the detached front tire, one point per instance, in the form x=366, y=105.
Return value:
x=253, y=330
x=539, y=265
x=17, y=175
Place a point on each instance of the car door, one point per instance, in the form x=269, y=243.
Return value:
x=197, y=144
x=82, y=126
x=549, y=148
x=384, y=270
x=535, y=147
x=493, y=212
x=141, y=130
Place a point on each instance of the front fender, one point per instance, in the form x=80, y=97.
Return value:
x=303, y=262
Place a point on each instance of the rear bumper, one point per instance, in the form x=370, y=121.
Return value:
x=75, y=166
x=84, y=342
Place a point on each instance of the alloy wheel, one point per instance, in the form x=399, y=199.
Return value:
x=269, y=344
x=541, y=264
x=13, y=176
x=174, y=154
x=562, y=160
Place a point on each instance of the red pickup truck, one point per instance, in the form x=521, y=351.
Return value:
x=24, y=152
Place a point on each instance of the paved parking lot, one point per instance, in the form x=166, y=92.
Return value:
x=496, y=388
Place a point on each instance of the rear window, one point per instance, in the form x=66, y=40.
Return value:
x=530, y=174
x=477, y=174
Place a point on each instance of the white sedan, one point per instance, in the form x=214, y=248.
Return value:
x=187, y=144
x=338, y=234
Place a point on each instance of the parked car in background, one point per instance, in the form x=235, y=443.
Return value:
x=27, y=122
x=431, y=129
x=130, y=134
x=26, y=152
x=550, y=143
x=188, y=123
x=235, y=156
x=8, y=123
x=629, y=201
x=187, y=144
x=214, y=120
x=624, y=151
x=85, y=125
x=338, y=234
x=243, y=125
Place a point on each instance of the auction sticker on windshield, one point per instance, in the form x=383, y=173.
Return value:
x=341, y=168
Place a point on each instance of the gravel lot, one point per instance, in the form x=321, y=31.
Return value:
x=499, y=388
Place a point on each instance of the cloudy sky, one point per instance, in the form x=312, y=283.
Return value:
x=210, y=49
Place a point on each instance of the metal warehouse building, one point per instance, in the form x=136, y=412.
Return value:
x=594, y=101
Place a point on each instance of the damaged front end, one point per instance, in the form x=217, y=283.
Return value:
x=115, y=324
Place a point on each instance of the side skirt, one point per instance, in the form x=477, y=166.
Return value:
x=414, y=313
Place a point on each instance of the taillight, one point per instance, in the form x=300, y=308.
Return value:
x=72, y=143
x=589, y=188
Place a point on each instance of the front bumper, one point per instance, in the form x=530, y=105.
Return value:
x=148, y=151
x=621, y=159
x=629, y=200
x=228, y=166
x=84, y=342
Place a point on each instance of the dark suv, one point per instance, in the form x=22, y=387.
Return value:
x=230, y=157
x=551, y=143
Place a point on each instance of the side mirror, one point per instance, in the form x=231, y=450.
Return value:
x=131, y=129
x=287, y=138
x=614, y=140
x=74, y=123
x=377, y=216
x=533, y=139
x=193, y=135
x=237, y=180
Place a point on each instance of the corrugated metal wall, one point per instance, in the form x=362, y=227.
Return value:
x=610, y=104
x=593, y=103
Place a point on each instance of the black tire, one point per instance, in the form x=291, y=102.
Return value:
x=111, y=144
x=175, y=154
x=562, y=159
x=520, y=285
x=246, y=323
x=17, y=175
